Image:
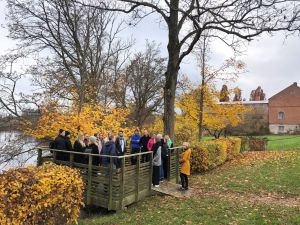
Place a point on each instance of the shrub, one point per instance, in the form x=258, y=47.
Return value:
x=233, y=147
x=210, y=154
x=48, y=194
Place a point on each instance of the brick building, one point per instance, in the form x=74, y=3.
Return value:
x=278, y=115
x=284, y=111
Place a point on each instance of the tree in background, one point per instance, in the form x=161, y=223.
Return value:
x=216, y=116
x=146, y=80
x=86, y=51
x=187, y=21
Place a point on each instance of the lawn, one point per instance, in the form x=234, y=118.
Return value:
x=256, y=188
x=285, y=142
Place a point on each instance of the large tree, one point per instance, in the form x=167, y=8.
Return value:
x=146, y=80
x=83, y=43
x=186, y=20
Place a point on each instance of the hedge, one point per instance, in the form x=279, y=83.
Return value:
x=48, y=194
x=207, y=155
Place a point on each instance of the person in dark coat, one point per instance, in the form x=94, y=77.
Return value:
x=66, y=156
x=109, y=148
x=79, y=146
x=156, y=148
x=143, y=143
x=60, y=144
x=165, y=157
x=135, y=146
x=121, y=144
x=94, y=150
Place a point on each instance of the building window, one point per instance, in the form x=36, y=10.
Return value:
x=281, y=129
x=281, y=115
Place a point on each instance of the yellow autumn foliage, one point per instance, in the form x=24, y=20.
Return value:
x=210, y=154
x=48, y=194
x=92, y=119
x=215, y=116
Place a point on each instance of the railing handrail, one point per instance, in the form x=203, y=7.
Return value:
x=83, y=153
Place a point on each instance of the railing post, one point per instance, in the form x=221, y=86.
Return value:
x=39, y=157
x=122, y=184
x=54, y=156
x=71, y=159
x=89, y=185
x=110, y=183
x=177, y=165
x=137, y=185
x=169, y=165
x=151, y=171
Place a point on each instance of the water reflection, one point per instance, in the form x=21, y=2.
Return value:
x=15, y=150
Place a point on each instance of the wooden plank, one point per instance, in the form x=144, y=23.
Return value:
x=89, y=181
x=110, y=183
x=150, y=173
x=137, y=180
x=122, y=183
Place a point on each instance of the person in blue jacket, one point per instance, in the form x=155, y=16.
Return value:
x=135, y=146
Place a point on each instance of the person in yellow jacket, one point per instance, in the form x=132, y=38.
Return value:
x=185, y=166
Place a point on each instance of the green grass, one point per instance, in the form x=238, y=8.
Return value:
x=286, y=142
x=166, y=210
x=279, y=174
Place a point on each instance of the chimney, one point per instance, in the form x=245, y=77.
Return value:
x=295, y=84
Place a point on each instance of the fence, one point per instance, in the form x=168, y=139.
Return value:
x=111, y=187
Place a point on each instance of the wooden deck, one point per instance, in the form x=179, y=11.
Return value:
x=114, y=188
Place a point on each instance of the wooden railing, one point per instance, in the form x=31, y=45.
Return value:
x=114, y=187
x=108, y=186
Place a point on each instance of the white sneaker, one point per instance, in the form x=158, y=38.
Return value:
x=156, y=186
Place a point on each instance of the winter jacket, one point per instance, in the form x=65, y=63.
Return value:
x=150, y=144
x=135, y=141
x=78, y=148
x=144, y=142
x=156, y=154
x=121, y=146
x=109, y=148
x=94, y=150
x=60, y=143
x=185, y=160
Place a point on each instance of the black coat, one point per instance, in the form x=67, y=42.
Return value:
x=78, y=148
x=95, y=150
x=144, y=142
x=109, y=149
x=60, y=143
x=119, y=148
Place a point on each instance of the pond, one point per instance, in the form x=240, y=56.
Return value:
x=16, y=150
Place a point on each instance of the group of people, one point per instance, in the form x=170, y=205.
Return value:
x=117, y=146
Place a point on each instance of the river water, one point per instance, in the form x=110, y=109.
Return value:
x=12, y=144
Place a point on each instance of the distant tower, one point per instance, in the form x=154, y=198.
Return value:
x=257, y=95
x=237, y=95
x=224, y=94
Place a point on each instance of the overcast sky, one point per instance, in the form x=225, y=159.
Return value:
x=272, y=62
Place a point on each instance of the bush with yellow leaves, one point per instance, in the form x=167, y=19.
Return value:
x=207, y=155
x=49, y=194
